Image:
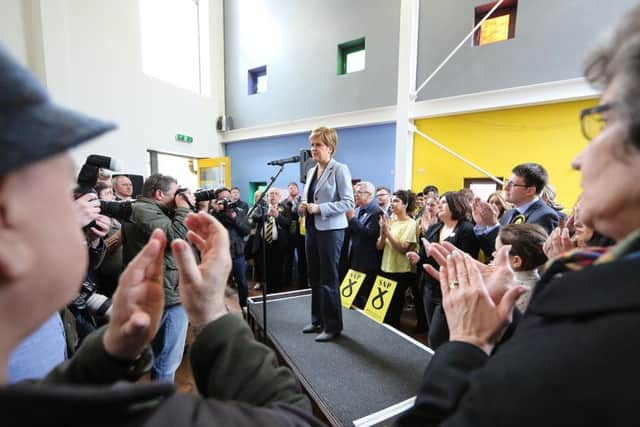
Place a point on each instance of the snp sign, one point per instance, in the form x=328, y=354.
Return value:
x=380, y=298
x=350, y=286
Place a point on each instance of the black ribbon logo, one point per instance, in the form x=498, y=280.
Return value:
x=377, y=302
x=347, y=291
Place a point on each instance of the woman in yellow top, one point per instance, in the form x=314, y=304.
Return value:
x=397, y=236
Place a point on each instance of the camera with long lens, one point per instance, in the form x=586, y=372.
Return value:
x=204, y=195
x=91, y=302
x=119, y=210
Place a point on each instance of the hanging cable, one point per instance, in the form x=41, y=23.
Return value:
x=453, y=52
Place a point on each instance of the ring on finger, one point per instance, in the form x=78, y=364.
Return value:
x=453, y=284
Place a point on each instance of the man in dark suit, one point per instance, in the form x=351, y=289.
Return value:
x=277, y=234
x=364, y=228
x=523, y=191
x=295, y=244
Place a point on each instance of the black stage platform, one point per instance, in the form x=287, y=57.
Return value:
x=368, y=376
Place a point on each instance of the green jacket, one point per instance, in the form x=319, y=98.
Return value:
x=148, y=215
x=238, y=380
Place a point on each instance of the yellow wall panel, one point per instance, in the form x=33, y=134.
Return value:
x=498, y=140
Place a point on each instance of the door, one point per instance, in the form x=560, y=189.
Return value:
x=214, y=172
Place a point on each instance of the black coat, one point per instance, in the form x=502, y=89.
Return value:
x=364, y=230
x=573, y=361
x=462, y=237
x=237, y=227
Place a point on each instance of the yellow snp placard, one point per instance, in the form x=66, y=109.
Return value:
x=380, y=298
x=350, y=286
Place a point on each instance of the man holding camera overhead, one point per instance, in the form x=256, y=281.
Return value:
x=162, y=206
x=234, y=219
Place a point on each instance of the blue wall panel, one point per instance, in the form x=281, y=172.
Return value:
x=369, y=151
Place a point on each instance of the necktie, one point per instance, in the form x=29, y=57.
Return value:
x=269, y=231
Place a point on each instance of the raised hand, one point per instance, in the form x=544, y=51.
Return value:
x=202, y=286
x=138, y=302
x=483, y=213
x=472, y=314
x=558, y=242
x=493, y=274
x=413, y=257
x=87, y=208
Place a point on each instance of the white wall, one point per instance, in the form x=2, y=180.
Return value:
x=12, y=29
x=91, y=62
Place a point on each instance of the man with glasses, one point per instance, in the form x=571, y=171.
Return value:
x=383, y=195
x=364, y=228
x=523, y=191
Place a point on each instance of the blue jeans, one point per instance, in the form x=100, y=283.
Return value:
x=239, y=271
x=168, y=345
x=323, y=258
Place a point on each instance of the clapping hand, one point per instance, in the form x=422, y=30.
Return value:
x=493, y=280
x=202, y=286
x=484, y=213
x=138, y=302
x=558, y=242
x=473, y=315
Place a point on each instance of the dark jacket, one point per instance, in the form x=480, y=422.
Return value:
x=462, y=237
x=237, y=227
x=237, y=378
x=147, y=215
x=572, y=361
x=364, y=229
x=538, y=213
x=282, y=222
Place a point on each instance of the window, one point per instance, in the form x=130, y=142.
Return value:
x=500, y=26
x=351, y=56
x=482, y=187
x=174, y=41
x=257, y=80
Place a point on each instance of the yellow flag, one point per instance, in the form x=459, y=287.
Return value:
x=380, y=298
x=350, y=286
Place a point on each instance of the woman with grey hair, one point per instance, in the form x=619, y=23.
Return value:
x=572, y=359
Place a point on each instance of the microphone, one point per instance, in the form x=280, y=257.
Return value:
x=103, y=162
x=293, y=159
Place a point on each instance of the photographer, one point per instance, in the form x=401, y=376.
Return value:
x=234, y=219
x=238, y=380
x=160, y=207
x=108, y=272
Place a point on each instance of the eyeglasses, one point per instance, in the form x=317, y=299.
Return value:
x=510, y=184
x=362, y=192
x=592, y=121
x=382, y=194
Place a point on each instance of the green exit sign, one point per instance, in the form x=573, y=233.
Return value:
x=184, y=138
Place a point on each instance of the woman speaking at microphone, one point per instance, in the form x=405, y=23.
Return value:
x=327, y=196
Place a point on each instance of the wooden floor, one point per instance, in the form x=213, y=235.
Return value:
x=184, y=379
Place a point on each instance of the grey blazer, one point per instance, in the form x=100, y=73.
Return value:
x=334, y=195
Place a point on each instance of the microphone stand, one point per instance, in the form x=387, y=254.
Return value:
x=263, y=247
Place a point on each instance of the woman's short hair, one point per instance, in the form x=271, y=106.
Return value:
x=526, y=241
x=617, y=57
x=408, y=198
x=328, y=136
x=458, y=205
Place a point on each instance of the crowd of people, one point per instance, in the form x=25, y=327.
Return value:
x=531, y=312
